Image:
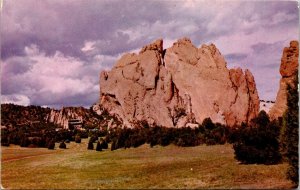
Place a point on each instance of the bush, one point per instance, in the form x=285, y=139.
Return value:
x=93, y=138
x=4, y=141
x=208, y=124
x=90, y=146
x=291, y=132
x=98, y=147
x=103, y=144
x=24, y=142
x=62, y=145
x=77, y=139
x=114, y=145
x=51, y=145
x=258, y=143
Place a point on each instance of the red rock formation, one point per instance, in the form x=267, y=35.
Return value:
x=177, y=86
x=61, y=117
x=288, y=69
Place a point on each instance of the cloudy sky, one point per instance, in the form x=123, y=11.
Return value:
x=53, y=50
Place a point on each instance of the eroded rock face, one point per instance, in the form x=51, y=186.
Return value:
x=182, y=84
x=61, y=117
x=288, y=70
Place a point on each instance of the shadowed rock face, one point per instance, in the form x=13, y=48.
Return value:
x=182, y=84
x=288, y=70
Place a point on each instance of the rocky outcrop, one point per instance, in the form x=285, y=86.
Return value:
x=180, y=85
x=61, y=117
x=288, y=70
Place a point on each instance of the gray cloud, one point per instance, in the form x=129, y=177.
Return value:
x=235, y=57
x=93, y=34
x=263, y=48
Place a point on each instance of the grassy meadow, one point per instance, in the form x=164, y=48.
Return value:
x=143, y=167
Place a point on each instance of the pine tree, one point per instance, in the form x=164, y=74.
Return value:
x=90, y=146
x=62, y=145
x=292, y=124
x=98, y=147
x=77, y=139
x=51, y=144
x=283, y=137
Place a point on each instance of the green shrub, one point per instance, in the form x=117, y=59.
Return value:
x=98, y=147
x=258, y=143
x=24, y=142
x=291, y=132
x=103, y=143
x=77, y=139
x=114, y=145
x=51, y=145
x=90, y=146
x=93, y=138
x=62, y=145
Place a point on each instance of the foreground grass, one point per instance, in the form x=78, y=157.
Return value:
x=143, y=167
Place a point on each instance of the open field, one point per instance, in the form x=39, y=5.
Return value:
x=143, y=167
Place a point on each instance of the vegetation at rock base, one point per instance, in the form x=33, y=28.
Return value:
x=98, y=146
x=16, y=115
x=51, y=144
x=90, y=146
x=258, y=143
x=62, y=145
x=77, y=139
x=291, y=131
x=19, y=124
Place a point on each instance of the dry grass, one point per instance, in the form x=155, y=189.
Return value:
x=143, y=167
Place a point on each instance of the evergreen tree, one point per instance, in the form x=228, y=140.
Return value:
x=258, y=143
x=90, y=146
x=98, y=147
x=114, y=144
x=77, y=139
x=24, y=142
x=283, y=138
x=62, y=145
x=103, y=143
x=51, y=144
x=292, y=124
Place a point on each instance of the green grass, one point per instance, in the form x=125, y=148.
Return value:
x=143, y=167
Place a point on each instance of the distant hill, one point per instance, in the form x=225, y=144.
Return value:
x=16, y=115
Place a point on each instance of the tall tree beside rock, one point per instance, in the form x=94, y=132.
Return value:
x=292, y=131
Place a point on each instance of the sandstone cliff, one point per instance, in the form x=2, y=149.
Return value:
x=288, y=70
x=180, y=85
x=62, y=116
x=91, y=119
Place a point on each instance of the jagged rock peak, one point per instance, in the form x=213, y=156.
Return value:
x=62, y=116
x=157, y=45
x=177, y=86
x=288, y=70
x=289, y=60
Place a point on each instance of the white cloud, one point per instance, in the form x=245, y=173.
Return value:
x=31, y=50
x=100, y=36
x=15, y=99
x=88, y=46
x=53, y=78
